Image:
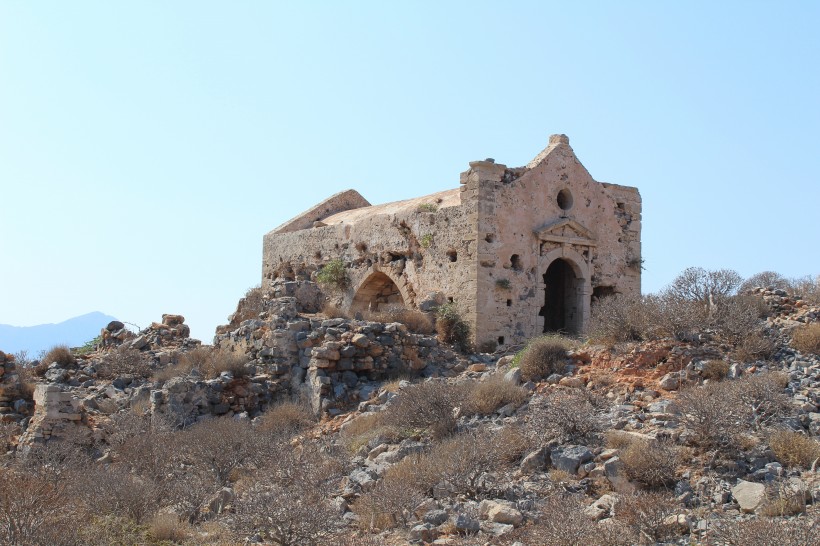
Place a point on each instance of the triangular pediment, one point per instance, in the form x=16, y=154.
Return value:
x=566, y=230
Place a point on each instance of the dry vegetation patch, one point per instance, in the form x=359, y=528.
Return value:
x=485, y=397
x=544, y=356
x=806, y=339
x=793, y=449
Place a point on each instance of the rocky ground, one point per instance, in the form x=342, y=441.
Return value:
x=361, y=432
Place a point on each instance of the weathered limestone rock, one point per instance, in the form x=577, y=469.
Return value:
x=749, y=495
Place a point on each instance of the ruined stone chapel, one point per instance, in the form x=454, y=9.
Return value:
x=519, y=251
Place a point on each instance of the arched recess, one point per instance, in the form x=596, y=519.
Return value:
x=565, y=290
x=377, y=292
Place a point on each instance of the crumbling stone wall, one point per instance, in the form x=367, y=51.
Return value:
x=519, y=251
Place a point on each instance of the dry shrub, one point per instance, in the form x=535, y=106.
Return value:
x=464, y=463
x=416, y=321
x=287, y=418
x=561, y=522
x=715, y=369
x=753, y=347
x=718, y=411
x=570, y=416
x=709, y=413
x=168, y=527
x=765, y=279
x=652, y=464
x=645, y=514
x=428, y=405
x=289, y=501
x=793, y=449
x=60, y=354
x=331, y=310
x=618, y=318
x=209, y=361
x=801, y=531
x=806, y=339
x=544, y=356
x=783, y=499
x=618, y=439
x=807, y=288
x=486, y=397
x=106, y=530
x=390, y=502
x=33, y=508
x=123, y=361
x=361, y=430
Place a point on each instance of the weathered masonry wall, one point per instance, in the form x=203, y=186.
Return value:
x=591, y=246
x=520, y=251
x=419, y=245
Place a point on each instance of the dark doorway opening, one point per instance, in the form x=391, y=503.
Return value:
x=561, y=305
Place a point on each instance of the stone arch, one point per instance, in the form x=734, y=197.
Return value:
x=565, y=290
x=378, y=290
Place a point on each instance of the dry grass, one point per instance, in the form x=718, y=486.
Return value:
x=806, y=339
x=124, y=360
x=617, y=439
x=287, y=418
x=653, y=464
x=416, y=321
x=60, y=354
x=715, y=369
x=486, y=397
x=362, y=429
x=793, y=449
x=168, y=527
x=210, y=362
x=544, y=356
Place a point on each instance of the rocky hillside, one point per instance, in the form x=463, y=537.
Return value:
x=299, y=428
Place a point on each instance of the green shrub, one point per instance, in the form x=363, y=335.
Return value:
x=333, y=275
x=426, y=240
x=544, y=356
x=427, y=207
x=451, y=328
x=503, y=284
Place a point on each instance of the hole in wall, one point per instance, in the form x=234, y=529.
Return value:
x=501, y=340
x=509, y=303
x=490, y=237
x=450, y=299
x=452, y=255
x=564, y=199
x=515, y=262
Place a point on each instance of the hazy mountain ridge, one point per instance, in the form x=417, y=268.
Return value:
x=73, y=332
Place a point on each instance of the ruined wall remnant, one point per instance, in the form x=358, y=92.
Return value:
x=519, y=251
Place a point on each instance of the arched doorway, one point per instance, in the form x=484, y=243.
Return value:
x=563, y=298
x=377, y=293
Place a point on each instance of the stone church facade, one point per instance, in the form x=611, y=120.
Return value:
x=519, y=251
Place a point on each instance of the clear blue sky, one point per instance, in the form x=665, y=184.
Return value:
x=146, y=147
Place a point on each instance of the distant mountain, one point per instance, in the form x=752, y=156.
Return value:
x=73, y=332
